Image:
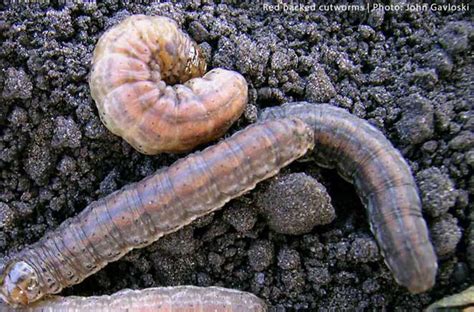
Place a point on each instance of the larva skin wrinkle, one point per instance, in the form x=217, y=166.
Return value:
x=160, y=299
x=142, y=212
x=144, y=83
x=363, y=156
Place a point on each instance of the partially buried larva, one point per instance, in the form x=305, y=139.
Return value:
x=160, y=299
x=146, y=81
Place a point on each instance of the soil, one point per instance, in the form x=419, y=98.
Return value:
x=410, y=73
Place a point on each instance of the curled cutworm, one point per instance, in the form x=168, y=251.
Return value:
x=160, y=299
x=144, y=83
x=142, y=212
x=363, y=156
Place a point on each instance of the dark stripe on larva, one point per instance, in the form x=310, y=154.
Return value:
x=166, y=201
x=163, y=299
x=383, y=180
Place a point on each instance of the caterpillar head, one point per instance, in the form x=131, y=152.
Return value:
x=196, y=63
x=19, y=283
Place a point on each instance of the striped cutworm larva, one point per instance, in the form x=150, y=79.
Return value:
x=383, y=180
x=160, y=299
x=142, y=212
x=146, y=81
